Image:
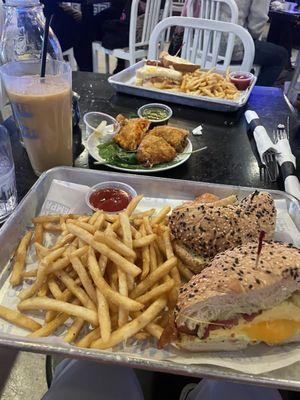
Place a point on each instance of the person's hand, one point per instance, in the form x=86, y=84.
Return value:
x=76, y=15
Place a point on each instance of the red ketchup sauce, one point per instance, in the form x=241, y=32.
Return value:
x=109, y=199
x=241, y=81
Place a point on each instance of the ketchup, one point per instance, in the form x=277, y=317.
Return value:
x=241, y=81
x=109, y=199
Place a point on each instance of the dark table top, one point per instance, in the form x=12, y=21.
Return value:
x=228, y=159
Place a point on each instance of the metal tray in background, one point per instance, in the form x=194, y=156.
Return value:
x=123, y=83
x=14, y=228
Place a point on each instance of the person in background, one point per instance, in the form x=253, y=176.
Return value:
x=67, y=26
x=253, y=15
x=285, y=31
x=81, y=379
x=111, y=26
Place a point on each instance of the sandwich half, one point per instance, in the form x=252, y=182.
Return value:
x=158, y=77
x=237, y=302
x=203, y=229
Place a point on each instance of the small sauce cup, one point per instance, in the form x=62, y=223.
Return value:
x=241, y=80
x=158, y=114
x=110, y=197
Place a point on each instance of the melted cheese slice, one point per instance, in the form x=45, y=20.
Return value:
x=273, y=326
x=272, y=332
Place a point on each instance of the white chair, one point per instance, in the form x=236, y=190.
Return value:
x=206, y=31
x=177, y=6
x=137, y=49
x=68, y=56
x=212, y=10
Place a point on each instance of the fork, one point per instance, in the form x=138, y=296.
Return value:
x=269, y=158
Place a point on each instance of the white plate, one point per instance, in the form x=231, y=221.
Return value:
x=93, y=142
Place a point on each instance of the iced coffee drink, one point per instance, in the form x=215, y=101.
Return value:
x=42, y=108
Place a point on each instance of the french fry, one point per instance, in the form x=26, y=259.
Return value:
x=54, y=288
x=133, y=204
x=144, y=241
x=18, y=319
x=132, y=327
x=40, y=250
x=156, y=292
x=51, y=326
x=18, y=267
x=115, y=245
x=142, y=214
x=84, y=277
x=123, y=290
x=50, y=227
x=94, y=217
x=105, y=289
x=153, y=277
x=86, y=341
x=184, y=271
x=161, y=215
x=39, y=234
x=65, y=296
x=141, y=336
x=41, y=219
x=74, y=330
x=153, y=259
x=65, y=261
x=145, y=255
x=43, y=290
x=226, y=201
x=126, y=265
x=154, y=330
x=103, y=316
x=84, y=225
x=99, y=224
x=41, y=274
x=169, y=253
x=125, y=226
x=45, y=303
x=76, y=290
x=30, y=274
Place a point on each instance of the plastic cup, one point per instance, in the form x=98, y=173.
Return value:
x=92, y=121
x=8, y=191
x=42, y=109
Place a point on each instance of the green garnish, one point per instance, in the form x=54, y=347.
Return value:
x=115, y=155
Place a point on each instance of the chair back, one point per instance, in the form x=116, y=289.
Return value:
x=177, y=5
x=213, y=10
x=210, y=9
x=202, y=32
x=152, y=15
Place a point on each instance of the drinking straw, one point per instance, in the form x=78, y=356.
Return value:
x=45, y=45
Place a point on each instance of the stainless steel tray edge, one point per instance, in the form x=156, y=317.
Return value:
x=280, y=379
x=119, y=82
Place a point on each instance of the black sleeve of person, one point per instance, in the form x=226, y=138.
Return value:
x=50, y=6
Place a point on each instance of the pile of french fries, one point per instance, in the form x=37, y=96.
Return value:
x=105, y=278
x=209, y=83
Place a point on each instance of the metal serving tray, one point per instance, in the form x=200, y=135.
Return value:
x=124, y=82
x=14, y=228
